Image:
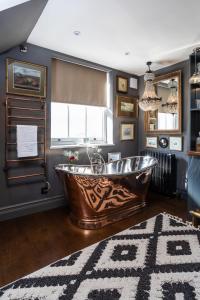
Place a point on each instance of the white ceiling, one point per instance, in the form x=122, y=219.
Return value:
x=5, y=4
x=164, y=32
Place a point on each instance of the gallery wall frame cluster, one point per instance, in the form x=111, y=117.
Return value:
x=126, y=107
x=173, y=143
x=164, y=126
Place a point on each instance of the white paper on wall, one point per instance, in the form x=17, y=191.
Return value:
x=27, y=145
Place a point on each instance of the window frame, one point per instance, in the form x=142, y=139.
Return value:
x=108, y=114
x=70, y=141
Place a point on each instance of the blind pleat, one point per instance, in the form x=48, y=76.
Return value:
x=76, y=84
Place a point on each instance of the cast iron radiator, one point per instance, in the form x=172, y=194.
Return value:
x=163, y=178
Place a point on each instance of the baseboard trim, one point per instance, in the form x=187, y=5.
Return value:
x=26, y=208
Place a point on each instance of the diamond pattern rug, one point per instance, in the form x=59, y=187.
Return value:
x=157, y=259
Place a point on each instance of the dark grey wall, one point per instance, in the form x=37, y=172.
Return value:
x=27, y=198
x=182, y=159
x=16, y=23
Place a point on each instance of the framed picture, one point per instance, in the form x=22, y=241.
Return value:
x=163, y=142
x=175, y=143
x=133, y=83
x=151, y=142
x=112, y=156
x=127, y=107
x=122, y=84
x=127, y=131
x=23, y=78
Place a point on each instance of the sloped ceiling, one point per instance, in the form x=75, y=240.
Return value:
x=17, y=22
x=164, y=32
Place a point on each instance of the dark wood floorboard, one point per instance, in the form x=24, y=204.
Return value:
x=32, y=242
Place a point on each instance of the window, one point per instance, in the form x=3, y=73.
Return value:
x=73, y=124
x=81, y=107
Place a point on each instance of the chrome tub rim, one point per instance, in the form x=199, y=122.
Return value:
x=61, y=167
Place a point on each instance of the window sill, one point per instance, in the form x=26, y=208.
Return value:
x=79, y=146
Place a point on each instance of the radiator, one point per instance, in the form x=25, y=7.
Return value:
x=163, y=178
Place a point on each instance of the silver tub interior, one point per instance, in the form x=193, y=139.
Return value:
x=130, y=165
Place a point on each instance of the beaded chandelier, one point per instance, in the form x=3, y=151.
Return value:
x=149, y=101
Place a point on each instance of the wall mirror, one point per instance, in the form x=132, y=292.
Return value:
x=168, y=118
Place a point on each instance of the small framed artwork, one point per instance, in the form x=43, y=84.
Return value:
x=152, y=142
x=122, y=84
x=127, y=107
x=127, y=131
x=27, y=79
x=133, y=83
x=163, y=142
x=112, y=156
x=175, y=143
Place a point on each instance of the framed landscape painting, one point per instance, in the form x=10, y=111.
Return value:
x=151, y=142
x=23, y=78
x=127, y=107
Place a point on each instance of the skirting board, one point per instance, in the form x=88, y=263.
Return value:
x=18, y=210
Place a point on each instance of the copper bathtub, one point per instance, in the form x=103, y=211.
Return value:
x=100, y=196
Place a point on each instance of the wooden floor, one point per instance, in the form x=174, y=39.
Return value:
x=31, y=242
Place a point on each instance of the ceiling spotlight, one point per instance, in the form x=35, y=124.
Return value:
x=23, y=48
x=76, y=32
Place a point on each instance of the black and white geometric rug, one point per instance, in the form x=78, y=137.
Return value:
x=157, y=259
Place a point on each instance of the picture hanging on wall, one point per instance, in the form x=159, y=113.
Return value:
x=127, y=131
x=122, y=84
x=151, y=142
x=175, y=143
x=112, y=156
x=24, y=78
x=163, y=142
x=127, y=107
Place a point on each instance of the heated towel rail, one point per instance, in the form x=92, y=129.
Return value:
x=24, y=111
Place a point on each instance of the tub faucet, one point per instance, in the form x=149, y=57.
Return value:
x=96, y=159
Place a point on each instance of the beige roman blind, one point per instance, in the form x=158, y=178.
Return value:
x=76, y=84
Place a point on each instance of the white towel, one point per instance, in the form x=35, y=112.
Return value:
x=27, y=145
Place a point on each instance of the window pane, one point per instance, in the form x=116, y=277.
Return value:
x=59, y=121
x=95, y=122
x=76, y=121
x=109, y=128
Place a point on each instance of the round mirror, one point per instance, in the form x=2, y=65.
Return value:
x=163, y=142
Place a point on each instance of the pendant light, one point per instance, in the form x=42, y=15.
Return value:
x=171, y=106
x=195, y=78
x=149, y=101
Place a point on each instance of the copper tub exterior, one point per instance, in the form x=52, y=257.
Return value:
x=98, y=197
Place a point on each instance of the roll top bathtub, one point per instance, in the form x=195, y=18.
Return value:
x=101, y=195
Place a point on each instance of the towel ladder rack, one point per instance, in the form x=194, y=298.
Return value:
x=24, y=117
x=24, y=111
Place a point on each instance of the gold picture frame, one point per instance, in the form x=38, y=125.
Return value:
x=126, y=107
x=127, y=131
x=26, y=79
x=122, y=84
